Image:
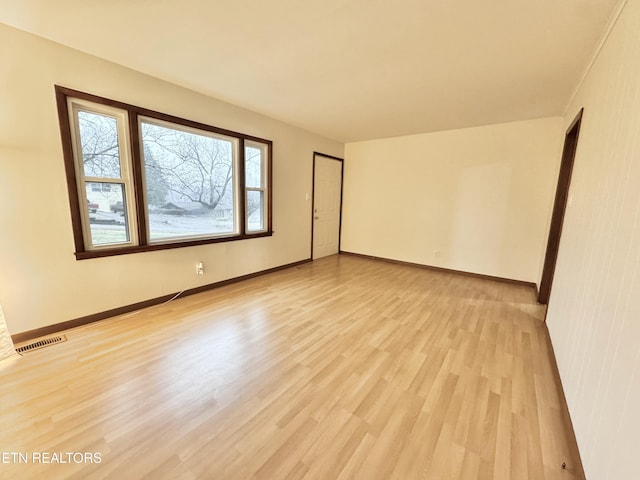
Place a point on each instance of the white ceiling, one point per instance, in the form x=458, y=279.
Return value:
x=347, y=69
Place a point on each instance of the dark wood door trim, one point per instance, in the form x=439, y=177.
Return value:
x=559, y=208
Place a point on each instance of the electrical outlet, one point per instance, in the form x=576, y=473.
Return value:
x=436, y=253
x=199, y=268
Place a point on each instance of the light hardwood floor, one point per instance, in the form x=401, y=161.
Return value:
x=340, y=368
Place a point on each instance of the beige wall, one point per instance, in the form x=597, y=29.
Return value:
x=481, y=197
x=594, y=310
x=41, y=283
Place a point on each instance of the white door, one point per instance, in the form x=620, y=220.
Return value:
x=327, y=187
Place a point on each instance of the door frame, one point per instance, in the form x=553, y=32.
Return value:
x=559, y=208
x=313, y=195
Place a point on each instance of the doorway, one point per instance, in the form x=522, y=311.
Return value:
x=559, y=208
x=327, y=205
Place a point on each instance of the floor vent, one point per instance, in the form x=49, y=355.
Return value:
x=45, y=342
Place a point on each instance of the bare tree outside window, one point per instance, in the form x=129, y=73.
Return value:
x=99, y=141
x=189, y=181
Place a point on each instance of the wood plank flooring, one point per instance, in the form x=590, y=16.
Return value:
x=340, y=368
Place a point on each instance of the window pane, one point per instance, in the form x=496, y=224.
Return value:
x=107, y=213
x=189, y=183
x=253, y=166
x=99, y=143
x=255, y=210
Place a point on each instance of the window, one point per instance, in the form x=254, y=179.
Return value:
x=189, y=181
x=142, y=180
x=100, y=143
x=255, y=186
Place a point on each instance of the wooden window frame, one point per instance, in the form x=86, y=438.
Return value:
x=133, y=113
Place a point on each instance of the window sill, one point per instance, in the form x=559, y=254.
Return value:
x=110, y=252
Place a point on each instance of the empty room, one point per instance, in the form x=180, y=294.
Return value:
x=321, y=240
